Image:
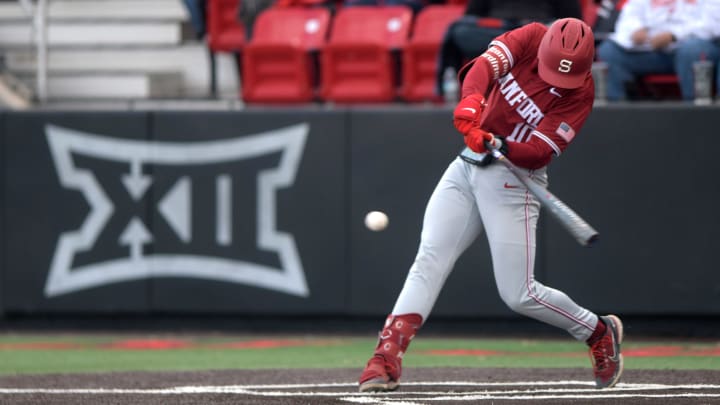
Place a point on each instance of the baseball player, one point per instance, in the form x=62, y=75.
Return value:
x=528, y=95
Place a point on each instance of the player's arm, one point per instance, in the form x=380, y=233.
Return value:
x=533, y=154
x=503, y=53
x=553, y=135
x=487, y=68
x=468, y=111
x=480, y=75
x=477, y=78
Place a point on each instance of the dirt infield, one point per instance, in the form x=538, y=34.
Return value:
x=337, y=386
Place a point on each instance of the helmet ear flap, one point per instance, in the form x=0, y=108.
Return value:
x=566, y=53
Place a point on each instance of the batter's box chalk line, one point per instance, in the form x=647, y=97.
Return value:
x=473, y=391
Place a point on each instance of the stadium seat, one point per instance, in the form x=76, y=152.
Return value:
x=361, y=60
x=659, y=87
x=225, y=32
x=420, y=55
x=280, y=61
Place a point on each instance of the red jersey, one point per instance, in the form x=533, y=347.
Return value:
x=521, y=106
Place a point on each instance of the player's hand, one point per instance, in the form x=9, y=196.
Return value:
x=468, y=112
x=476, y=140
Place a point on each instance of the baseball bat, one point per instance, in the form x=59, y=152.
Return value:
x=569, y=219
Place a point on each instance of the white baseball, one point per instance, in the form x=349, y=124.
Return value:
x=376, y=220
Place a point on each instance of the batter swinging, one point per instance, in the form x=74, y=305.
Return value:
x=533, y=88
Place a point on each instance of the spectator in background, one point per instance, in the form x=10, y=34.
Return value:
x=483, y=20
x=415, y=5
x=198, y=16
x=605, y=16
x=328, y=4
x=197, y=9
x=248, y=10
x=660, y=37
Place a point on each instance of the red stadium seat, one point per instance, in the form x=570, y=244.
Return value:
x=280, y=61
x=420, y=55
x=225, y=32
x=659, y=87
x=360, y=62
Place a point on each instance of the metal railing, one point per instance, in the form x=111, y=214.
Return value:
x=39, y=13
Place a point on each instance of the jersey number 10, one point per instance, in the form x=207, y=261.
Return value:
x=521, y=132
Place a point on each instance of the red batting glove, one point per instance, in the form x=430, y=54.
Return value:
x=476, y=139
x=467, y=113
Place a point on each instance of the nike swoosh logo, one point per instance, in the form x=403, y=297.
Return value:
x=509, y=186
x=615, y=356
x=613, y=330
x=472, y=110
x=554, y=92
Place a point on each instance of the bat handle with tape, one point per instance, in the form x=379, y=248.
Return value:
x=585, y=234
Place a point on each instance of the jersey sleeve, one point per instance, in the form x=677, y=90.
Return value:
x=502, y=54
x=518, y=44
x=560, y=125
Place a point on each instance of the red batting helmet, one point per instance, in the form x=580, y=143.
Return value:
x=566, y=53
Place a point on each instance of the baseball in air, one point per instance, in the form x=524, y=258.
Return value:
x=376, y=220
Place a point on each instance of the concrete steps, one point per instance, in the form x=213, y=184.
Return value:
x=82, y=33
x=112, y=85
x=190, y=60
x=101, y=10
x=114, y=49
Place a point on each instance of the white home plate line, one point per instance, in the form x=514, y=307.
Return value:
x=535, y=390
x=473, y=398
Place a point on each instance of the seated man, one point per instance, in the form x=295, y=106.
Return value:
x=659, y=37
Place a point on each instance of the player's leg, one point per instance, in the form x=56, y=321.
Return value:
x=451, y=223
x=510, y=217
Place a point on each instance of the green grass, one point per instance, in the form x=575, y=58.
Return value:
x=97, y=353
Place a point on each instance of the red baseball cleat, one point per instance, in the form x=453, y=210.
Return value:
x=375, y=377
x=605, y=353
x=383, y=370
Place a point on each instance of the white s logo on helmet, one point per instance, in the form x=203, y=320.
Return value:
x=565, y=65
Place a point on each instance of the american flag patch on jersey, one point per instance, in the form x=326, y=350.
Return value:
x=566, y=132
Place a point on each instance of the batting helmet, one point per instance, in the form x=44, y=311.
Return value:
x=566, y=53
